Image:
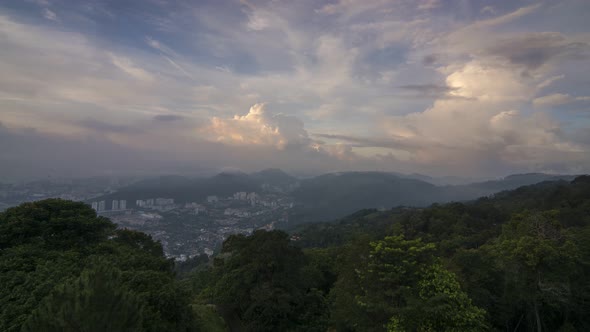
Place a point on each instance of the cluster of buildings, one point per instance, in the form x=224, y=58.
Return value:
x=12, y=194
x=244, y=196
x=194, y=228
x=154, y=202
x=116, y=205
x=161, y=204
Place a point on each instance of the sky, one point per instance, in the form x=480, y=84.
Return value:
x=439, y=87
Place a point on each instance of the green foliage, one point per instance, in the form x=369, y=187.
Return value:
x=518, y=261
x=404, y=288
x=96, y=301
x=259, y=284
x=518, y=255
x=53, y=276
x=539, y=262
x=53, y=224
x=208, y=318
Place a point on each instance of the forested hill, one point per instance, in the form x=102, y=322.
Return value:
x=184, y=189
x=517, y=261
x=567, y=197
x=62, y=268
x=336, y=195
x=327, y=196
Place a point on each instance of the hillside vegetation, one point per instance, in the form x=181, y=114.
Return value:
x=516, y=261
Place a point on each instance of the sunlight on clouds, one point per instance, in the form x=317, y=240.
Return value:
x=259, y=127
x=486, y=120
x=405, y=85
x=488, y=82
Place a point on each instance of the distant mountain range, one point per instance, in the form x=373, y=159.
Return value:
x=185, y=189
x=331, y=195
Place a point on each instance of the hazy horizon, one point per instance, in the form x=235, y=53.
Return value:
x=442, y=88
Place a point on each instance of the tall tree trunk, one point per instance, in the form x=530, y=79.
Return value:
x=537, y=317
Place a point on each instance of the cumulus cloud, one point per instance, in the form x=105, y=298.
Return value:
x=260, y=127
x=492, y=124
x=407, y=85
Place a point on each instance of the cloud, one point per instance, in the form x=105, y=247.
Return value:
x=169, y=55
x=260, y=127
x=131, y=68
x=533, y=50
x=431, y=91
x=488, y=9
x=509, y=17
x=341, y=151
x=50, y=15
x=429, y=4
x=403, y=85
x=429, y=59
x=547, y=82
x=168, y=117
x=396, y=143
x=259, y=20
x=557, y=99
x=492, y=125
x=104, y=127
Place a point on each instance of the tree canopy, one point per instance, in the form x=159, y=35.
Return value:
x=517, y=261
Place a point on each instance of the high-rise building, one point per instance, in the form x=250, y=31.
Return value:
x=164, y=201
x=95, y=206
x=115, y=205
x=101, y=206
x=123, y=204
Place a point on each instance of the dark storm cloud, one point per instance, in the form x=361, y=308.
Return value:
x=167, y=117
x=429, y=59
x=430, y=91
x=535, y=49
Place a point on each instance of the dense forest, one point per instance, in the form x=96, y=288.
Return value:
x=516, y=261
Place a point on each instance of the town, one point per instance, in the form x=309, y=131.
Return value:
x=184, y=229
x=194, y=228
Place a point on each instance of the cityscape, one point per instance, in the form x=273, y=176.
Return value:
x=194, y=228
x=184, y=229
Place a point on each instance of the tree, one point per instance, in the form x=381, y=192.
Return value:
x=442, y=306
x=258, y=282
x=53, y=224
x=538, y=260
x=45, y=246
x=405, y=288
x=97, y=301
